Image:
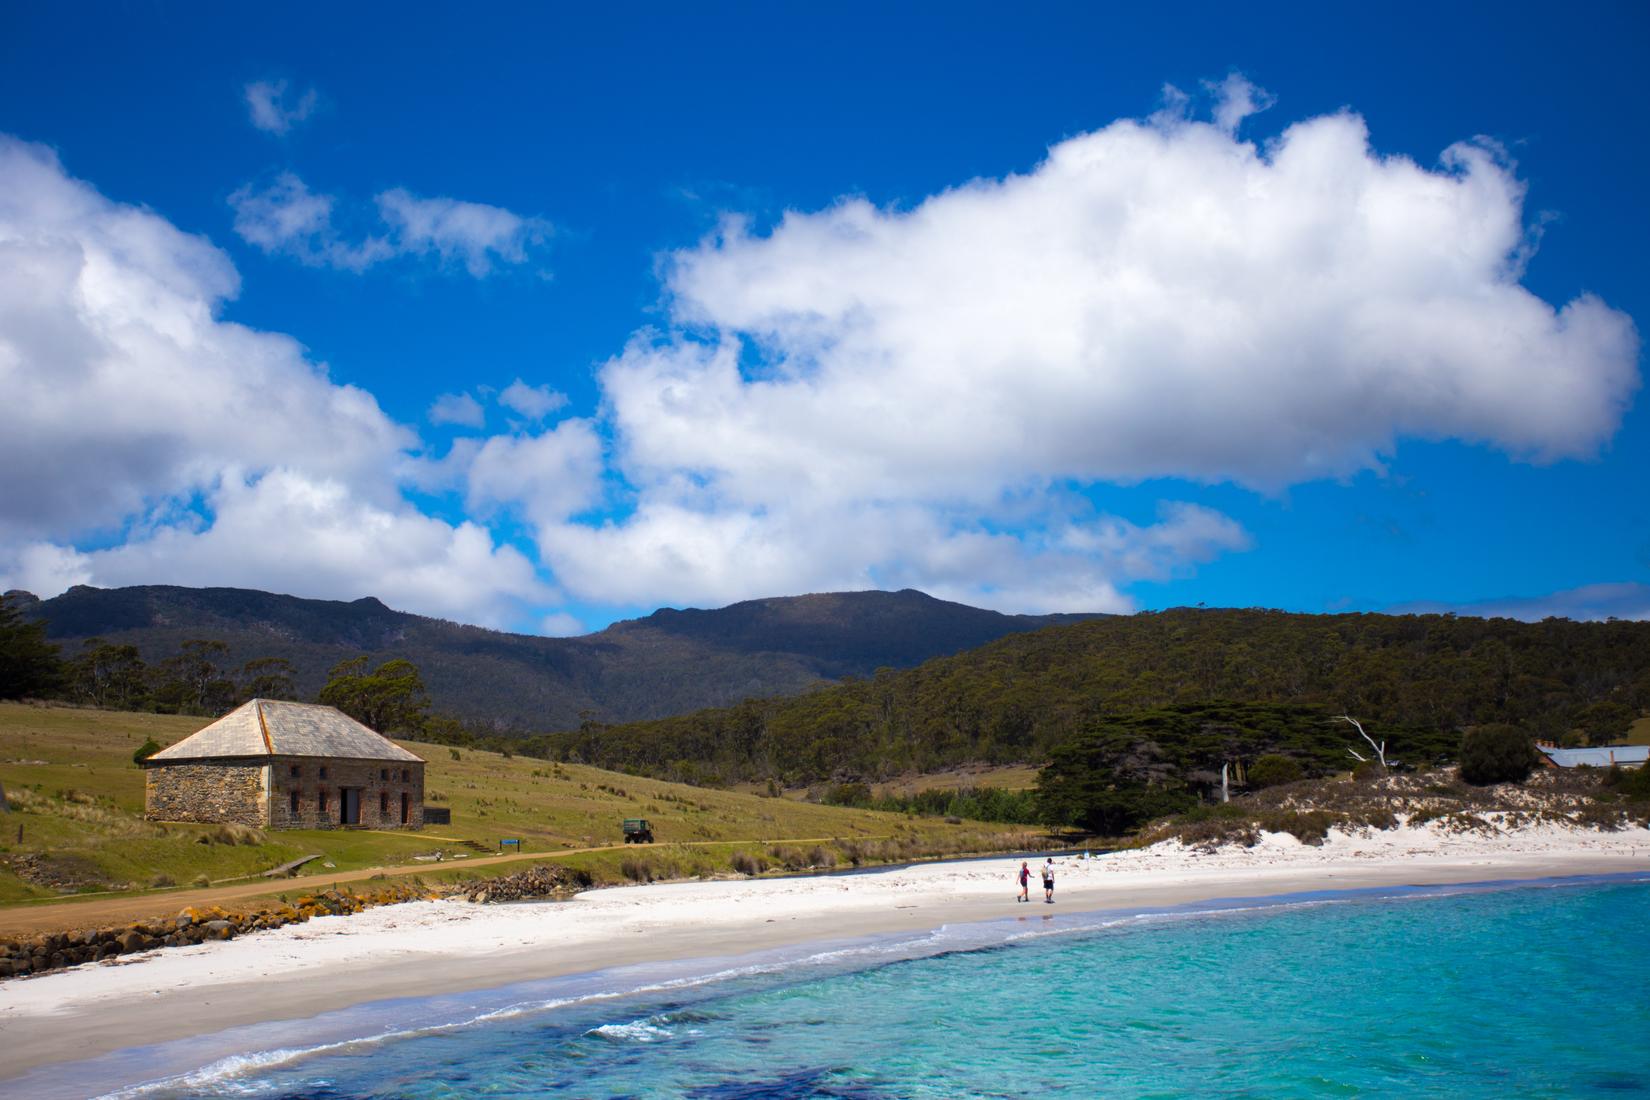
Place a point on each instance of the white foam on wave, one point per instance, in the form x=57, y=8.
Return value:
x=637, y=1031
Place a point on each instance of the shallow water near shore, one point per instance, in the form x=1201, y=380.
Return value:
x=1485, y=990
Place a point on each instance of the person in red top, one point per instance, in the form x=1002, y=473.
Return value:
x=1025, y=882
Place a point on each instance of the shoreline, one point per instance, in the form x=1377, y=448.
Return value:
x=434, y=949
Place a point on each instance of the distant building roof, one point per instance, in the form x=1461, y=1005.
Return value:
x=270, y=727
x=1601, y=757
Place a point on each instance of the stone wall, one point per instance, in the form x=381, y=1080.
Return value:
x=381, y=785
x=234, y=791
x=206, y=790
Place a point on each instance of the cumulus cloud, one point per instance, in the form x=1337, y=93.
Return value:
x=533, y=402
x=1152, y=300
x=295, y=533
x=1592, y=602
x=269, y=109
x=1053, y=561
x=286, y=218
x=206, y=451
x=548, y=477
x=862, y=394
x=458, y=408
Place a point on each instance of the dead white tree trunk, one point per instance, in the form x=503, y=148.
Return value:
x=1225, y=783
x=1380, y=749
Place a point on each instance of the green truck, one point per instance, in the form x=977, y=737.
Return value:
x=637, y=831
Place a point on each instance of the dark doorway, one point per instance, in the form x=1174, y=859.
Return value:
x=349, y=806
x=406, y=808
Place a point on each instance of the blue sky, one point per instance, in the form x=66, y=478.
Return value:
x=800, y=299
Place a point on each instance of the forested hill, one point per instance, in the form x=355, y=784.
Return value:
x=667, y=663
x=1012, y=701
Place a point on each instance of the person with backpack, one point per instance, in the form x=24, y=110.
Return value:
x=1048, y=880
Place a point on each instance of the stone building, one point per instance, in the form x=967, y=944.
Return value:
x=280, y=765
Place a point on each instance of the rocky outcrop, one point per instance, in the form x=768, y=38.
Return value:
x=52, y=951
x=535, y=882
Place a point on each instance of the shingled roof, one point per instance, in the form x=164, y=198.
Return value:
x=272, y=727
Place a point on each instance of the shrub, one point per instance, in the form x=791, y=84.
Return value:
x=1273, y=769
x=202, y=880
x=847, y=794
x=747, y=864
x=145, y=751
x=1366, y=770
x=1497, y=753
x=1634, y=784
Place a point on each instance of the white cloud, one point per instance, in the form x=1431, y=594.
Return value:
x=548, y=477
x=1235, y=100
x=671, y=553
x=1592, y=602
x=292, y=533
x=474, y=232
x=205, y=451
x=1151, y=300
x=458, y=408
x=267, y=106
x=533, y=402
x=287, y=218
x=866, y=395
x=561, y=625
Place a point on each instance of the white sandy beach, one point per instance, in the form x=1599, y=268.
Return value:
x=440, y=947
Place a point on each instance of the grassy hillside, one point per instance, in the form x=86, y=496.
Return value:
x=1016, y=699
x=77, y=801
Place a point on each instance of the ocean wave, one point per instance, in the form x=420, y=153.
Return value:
x=637, y=1031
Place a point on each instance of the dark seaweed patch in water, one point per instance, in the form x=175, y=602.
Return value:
x=1621, y=1082
x=792, y=1086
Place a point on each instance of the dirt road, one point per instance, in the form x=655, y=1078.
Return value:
x=104, y=911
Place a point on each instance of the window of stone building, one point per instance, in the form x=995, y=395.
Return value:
x=384, y=774
x=293, y=801
x=295, y=771
x=321, y=799
x=383, y=805
x=323, y=771
x=406, y=776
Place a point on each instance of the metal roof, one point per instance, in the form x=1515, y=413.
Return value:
x=1601, y=757
x=272, y=727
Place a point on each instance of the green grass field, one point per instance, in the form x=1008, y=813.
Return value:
x=76, y=823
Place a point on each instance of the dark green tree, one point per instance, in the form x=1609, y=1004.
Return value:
x=1605, y=722
x=1273, y=769
x=145, y=751
x=390, y=699
x=29, y=665
x=193, y=681
x=1109, y=781
x=1497, y=753
x=268, y=678
x=108, y=675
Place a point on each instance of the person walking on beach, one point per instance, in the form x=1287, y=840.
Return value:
x=1048, y=881
x=1025, y=881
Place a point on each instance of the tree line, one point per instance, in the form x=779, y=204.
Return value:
x=1015, y=700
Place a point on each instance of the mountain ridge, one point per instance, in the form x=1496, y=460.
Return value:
x=671, y=661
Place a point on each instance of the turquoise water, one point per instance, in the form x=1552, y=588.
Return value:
x=1528, y=991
